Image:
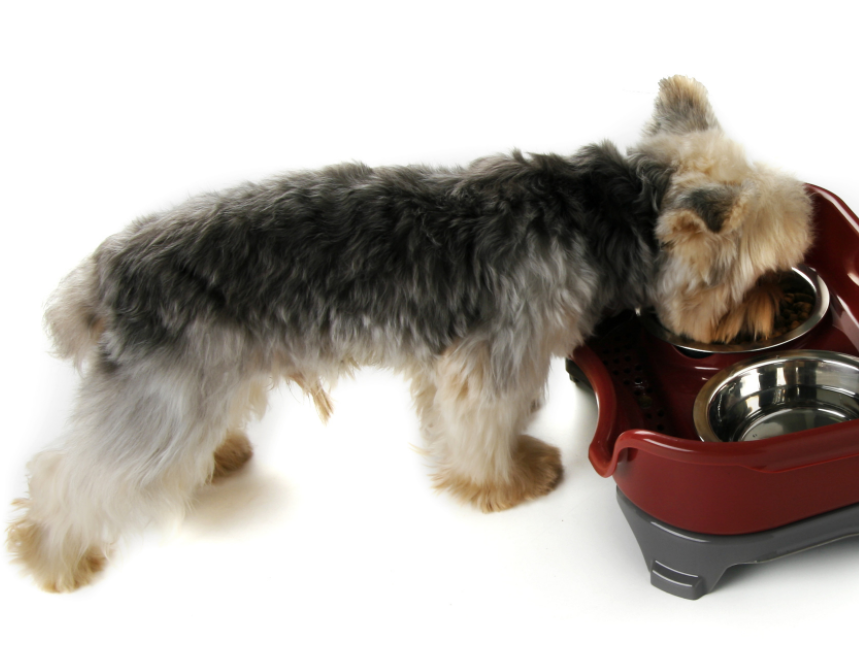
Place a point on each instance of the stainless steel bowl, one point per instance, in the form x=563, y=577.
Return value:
x=804, y=274
x=775, y=394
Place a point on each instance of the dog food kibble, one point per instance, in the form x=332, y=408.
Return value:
x=794, y=310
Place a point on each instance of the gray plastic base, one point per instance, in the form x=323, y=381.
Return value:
x=688, y=564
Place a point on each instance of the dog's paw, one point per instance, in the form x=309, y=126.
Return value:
x=536, y=470
x=61, y=568
x=231, y=456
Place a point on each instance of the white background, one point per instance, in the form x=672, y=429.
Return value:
x=333, y=538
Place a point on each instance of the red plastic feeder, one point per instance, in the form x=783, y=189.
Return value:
x=729, y=495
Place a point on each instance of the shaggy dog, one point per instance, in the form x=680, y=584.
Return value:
x=466, y=280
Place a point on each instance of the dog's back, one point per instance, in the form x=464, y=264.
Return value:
x=351, y=259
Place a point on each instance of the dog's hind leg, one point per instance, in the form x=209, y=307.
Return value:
x=235, y=450
x=475, y=430
x=140, y=441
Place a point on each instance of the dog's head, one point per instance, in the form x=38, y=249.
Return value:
x=725, y=225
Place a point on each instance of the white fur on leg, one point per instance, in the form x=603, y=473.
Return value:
x=141, y=441
x=476, y=434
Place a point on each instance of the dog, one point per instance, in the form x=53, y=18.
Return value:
x=466, y=280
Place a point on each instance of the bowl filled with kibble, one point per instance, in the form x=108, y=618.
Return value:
x=805, y=300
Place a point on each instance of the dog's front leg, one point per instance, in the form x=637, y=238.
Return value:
x=475, y=428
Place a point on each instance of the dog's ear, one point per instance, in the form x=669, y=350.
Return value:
x=698, y=229
x=681, y=107
x=715, y=205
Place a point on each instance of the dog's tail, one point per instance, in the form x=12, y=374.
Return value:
x=72, y=316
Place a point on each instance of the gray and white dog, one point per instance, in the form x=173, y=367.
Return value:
x=467, y=280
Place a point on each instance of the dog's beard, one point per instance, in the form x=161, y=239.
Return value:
x=754, y=317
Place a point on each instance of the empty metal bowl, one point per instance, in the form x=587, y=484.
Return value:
x=803, y=275
x=776, y=394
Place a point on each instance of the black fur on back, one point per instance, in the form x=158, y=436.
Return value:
x=432, y=254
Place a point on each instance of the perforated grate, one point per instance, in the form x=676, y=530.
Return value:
x=619, y=352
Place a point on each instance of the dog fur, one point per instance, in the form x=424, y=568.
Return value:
x=466, y=280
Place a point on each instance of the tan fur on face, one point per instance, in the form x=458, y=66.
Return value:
x=708, y=255
x=708, y=279
x=713, y=254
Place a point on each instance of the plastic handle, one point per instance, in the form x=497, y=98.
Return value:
x=786, y=453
